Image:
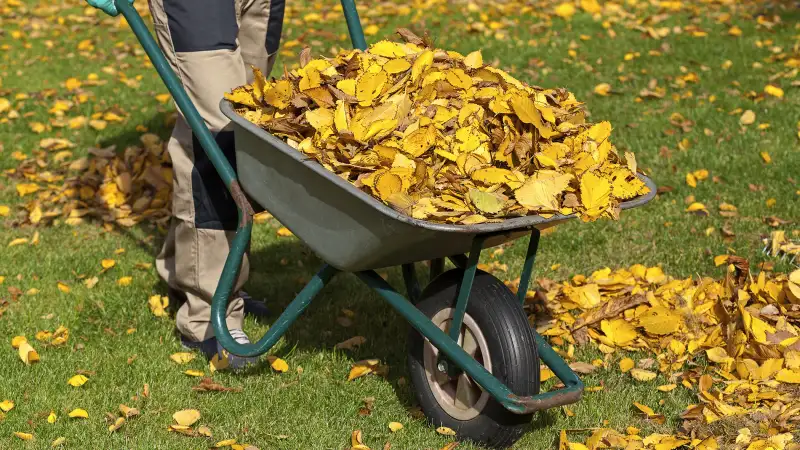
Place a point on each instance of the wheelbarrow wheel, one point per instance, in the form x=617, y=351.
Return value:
x=497, y=334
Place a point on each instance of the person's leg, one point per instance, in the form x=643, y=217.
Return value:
x=198, y=38
x=260, y=34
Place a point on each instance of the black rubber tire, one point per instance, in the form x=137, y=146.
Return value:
x=512, y=349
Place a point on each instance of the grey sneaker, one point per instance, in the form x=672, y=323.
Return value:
x=211, y=347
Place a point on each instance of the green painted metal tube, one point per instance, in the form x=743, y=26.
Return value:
x=527, y=267
x=354, y=25
x=412, y=284
x=465, y=289
x=278, y=329
x=175, y=88
x=442, y=341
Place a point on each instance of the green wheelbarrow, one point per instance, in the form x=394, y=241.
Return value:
x=472, y=356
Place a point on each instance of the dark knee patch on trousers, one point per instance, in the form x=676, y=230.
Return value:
x=202, y=25
x=214, y=207
x=275, y=25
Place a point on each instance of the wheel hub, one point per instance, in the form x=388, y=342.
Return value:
x=458, y=395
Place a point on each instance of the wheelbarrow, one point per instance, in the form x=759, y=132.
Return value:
x=473, y=357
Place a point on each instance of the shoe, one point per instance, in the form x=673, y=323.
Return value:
x=253, y=307
x=211, y=347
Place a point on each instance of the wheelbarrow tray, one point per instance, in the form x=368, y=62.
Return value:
x=349, y=229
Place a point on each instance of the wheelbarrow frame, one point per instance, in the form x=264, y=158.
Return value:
x=455, y=358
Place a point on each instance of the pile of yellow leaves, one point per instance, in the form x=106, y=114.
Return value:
x=747, y=327
x=444, y=137
x=117, y=188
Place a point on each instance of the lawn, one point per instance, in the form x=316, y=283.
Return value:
x=681, y=77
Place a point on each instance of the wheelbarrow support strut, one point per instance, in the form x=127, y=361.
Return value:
x=447, y=344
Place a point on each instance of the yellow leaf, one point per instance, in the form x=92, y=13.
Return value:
x=18, y=241
x=72, y=83
x=116, y=425
x=619, y=331
x=186, y=417
x=218, y=363
x=4, y=210
x=667, y=387
x=6, y=405
x=788, y=376
x=57, y=442
x=720, y=260
x=284, y=232
x=27, y=354
x=446, y=431
x=63, y=287
x=747, y=118
x=51, y=418
x=108, y=263
x=194, y=373
x=362, y=368
x=421, y=64
x=773, y=91
x=565, y=10
x=595, y=194
x=626, y=364
x=765, y=156
x=158, y=305
x=163, y=98
x=527, y=112
x=395, y=426
x=643, y=375
x=225, y=443
x=660, y=321
x=182, y=357
x=278, y=365
x=474, y=60
x=697, y=207
x=23, y=436
x=24, y=189
x=124, y=281
x=541, y=192
x=602, y=89
x=77, y=380
x=79, y=413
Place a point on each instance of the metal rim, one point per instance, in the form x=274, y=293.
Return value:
x=460, y=397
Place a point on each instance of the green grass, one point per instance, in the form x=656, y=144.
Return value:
x=319, y=408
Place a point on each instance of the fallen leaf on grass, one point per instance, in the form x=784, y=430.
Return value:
x=194, y=373
x=27, y=354
x=395, y=426
x=350, y=344
x=182, y=357
x=6, y=405
x=651, y=415
x=57, y=442
x=78, y=414
x=158, y=305
x=51, y=418
x=186, y=417
x=643, y=375
x=582, y=367
x=208, y=385
x=444, y=431
x=23, y=436
x=116, y=425
x=128, y=412
x=77, y=380
x=277, y=364
x=362, y=368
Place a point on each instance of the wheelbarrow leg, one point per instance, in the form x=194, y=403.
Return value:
x=437, y=267
x=412, y=285
x=527, y=268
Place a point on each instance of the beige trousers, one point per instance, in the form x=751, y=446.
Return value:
x=210, y=45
